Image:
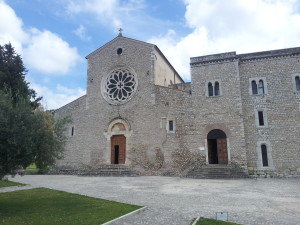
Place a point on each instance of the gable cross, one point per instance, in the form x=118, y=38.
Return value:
x=120, y=31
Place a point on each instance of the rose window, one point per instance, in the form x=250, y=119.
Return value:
x=120, y=86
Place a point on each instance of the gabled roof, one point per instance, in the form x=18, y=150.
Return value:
x=113, y=40
x=142, y=42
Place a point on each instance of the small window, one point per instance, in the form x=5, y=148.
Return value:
x=297, y=81
x=261, y=88
x=213, y=88
x=261, y=118
x=254, y=87
x=264, y=155
x=217, y=88
x=72, y=131
x=171, y=125
x=210, y=89
x=258, y=86
x=119, y=51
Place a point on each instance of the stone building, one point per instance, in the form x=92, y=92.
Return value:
x=240, y=112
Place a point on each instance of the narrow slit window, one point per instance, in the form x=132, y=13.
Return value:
x=297, y=81
x=72, y=131
x=261, y=121
x=254, y=87
x=217, y=88
x=210, y=89
x=171, y=125
x=264, y=155
x=261, y=88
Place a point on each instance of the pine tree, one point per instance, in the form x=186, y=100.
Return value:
x=28, y=134
x=12, y=76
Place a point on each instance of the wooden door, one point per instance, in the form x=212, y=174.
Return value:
x=212, y=151
x=210, y=146
x=118, y=149
x=222, y=151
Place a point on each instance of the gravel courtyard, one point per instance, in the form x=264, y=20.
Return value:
x=176, y=200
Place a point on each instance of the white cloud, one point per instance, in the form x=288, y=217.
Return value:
x=233, y=25
x=55, y=98
x=48, y=53
x=81, y=33
x=43, y=51
x=108, y=12
x=11, y=28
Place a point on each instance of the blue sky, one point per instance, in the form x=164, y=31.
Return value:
x=53, y=37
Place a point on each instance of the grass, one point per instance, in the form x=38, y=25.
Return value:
x=46, y=206
x=7, y=183
x=206, y=221
x=31, y=166
x=31, y=169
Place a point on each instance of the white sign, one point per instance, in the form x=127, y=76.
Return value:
x=201, y=148
x=222, y=216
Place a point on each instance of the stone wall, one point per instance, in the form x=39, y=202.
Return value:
x=281, y=106
x=165, y=74
x=222, y=112
x=153, y=149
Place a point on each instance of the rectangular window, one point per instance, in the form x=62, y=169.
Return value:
x=171, y=125
x=261, y=118
x=264, y=155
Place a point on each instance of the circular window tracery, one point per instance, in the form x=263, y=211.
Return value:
x=119, y=86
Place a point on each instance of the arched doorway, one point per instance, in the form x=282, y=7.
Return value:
x=118, y=137
x=217, y=147
x=118, y=149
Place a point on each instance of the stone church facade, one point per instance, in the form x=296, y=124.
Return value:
x=238, y=109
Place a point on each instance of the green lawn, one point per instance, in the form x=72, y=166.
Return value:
x=7, y=183
x=31, y=169
x=46, y=206
x=206, y=221
x=31, y=166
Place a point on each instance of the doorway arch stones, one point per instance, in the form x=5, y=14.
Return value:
x=117, y=126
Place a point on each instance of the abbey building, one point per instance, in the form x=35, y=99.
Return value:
x=239, y=111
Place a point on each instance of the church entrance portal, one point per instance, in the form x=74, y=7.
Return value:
x=118, y=149
x=217, y=147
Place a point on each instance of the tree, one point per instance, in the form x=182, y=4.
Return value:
x=50, y=138
x=16, y=133
x=27, y=133
x=12, y=76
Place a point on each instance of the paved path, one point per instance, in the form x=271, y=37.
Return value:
x=176, y=201
x=16, y=188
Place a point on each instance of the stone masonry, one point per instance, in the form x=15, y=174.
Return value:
x=170, y=126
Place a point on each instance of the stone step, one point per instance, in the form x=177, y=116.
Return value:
x=216, y=171
x=108, y=174
x=106, y=170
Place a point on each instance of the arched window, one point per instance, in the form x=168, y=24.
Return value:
x=217, y=88
x=210, y=89
x=264, y=155
x=297, y=81
x=254, y=87
x=261, y=88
